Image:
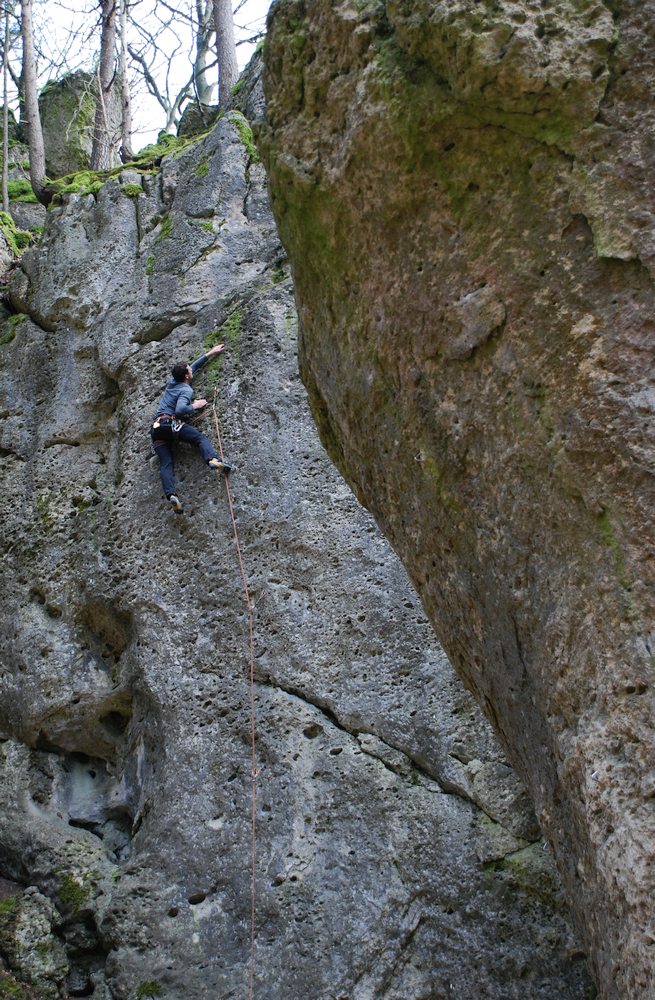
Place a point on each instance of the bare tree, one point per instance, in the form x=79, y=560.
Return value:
x=226, y=50
x=170, y=105
x=34, y=131
x=103, y=141
x=168, y=48
x=127, y=152
x=177, y=32
x=205, y=59
x=5, y=112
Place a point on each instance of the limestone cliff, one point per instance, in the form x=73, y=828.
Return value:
x=397, y=855
x=464, y=189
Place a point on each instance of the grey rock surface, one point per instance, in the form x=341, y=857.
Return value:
x=396, y=857
x=37, y=955
x=464, y=192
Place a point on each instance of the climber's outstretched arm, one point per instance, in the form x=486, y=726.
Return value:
x=204, y=358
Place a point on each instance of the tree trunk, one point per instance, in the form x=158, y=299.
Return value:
x=34, y=132
x=103, y=140
x=5, y=115
x=226, y=50
x=205, y=59
x=127, y=152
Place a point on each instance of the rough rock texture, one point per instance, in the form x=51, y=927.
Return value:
x=23, y=207
x=397, y=854
x=27, y=939
x=464, y=189
x=197, y=118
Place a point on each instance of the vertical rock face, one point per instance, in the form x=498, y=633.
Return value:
x=464, y=192
x=397, y=855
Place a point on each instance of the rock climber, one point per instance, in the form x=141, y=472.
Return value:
x=176, y=407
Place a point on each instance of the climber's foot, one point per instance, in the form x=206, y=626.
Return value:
x=215, y=463
x=174, y=501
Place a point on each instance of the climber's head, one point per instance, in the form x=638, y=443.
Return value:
x=181, y=372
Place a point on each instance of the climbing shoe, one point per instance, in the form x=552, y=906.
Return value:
x=175, y=503
x=215, y=463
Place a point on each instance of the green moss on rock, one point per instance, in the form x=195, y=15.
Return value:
x=132, y=190
x=149, y=988
x=8, y=907
x=166, y=145
x=11, y=989
x=166, y=228
x=11, y=323
x=532, y=871
x=245, y=134
x=230, y=334
x=73, y=892
x=21, y=191
x=17, y=239
x=86, y=182
x=42, y=507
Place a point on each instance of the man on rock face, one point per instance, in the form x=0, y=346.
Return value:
x=176, y=406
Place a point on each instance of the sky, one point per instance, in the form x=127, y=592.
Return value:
x=54, y=21
x=249, y=20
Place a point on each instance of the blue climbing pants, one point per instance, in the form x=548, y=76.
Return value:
x=163, y=440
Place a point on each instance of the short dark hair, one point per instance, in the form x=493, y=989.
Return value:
x=179, y=371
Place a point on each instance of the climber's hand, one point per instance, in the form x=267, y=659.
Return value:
x=215, y=350
x=199, y=403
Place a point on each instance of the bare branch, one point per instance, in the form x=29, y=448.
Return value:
x=252, y=40
x=149, y=78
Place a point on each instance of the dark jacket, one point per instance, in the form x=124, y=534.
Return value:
x=178, y=396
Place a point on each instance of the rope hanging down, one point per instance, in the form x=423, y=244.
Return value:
x=244, y=580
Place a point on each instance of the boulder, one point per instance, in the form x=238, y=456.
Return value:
x=67, y=108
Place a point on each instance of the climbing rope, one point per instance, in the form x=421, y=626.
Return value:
x=249, y=605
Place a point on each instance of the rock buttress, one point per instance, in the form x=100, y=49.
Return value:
x=464, y=194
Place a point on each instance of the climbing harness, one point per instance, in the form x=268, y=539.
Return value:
x=168, y=421
x=253, y=772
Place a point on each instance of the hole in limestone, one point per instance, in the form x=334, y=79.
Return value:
x=197, y=897
x=115, y=723
x=81, y=824
x=86, y=989
x=108, y=631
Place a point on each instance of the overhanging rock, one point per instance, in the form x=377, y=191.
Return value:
x=464, y=192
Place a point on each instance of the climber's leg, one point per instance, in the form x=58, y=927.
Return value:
x=191, y=435
x=164, y=453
